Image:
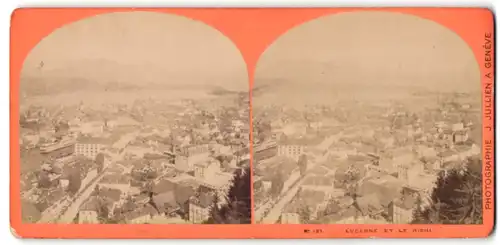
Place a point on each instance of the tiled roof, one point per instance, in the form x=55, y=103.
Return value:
x=92, y=140
x=140, y=212
x=165, y=198
x=462, y=148
x=369, y=203
x=164, y=186
x=293, y=207
x=311, y=198
x=358, y=158
x=113, y=194
x=204, y=200
x=94, y=203
x=429, y=159
x=386, y=188
x=304, y=141
x=153, y=156
x=115, y=178
x=29, y=212
x=319, y=180
x=406, y=202
x=351, y=211
x=446, y=153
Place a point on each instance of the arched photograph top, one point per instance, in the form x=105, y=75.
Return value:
x=135, y=118
x=367, y=117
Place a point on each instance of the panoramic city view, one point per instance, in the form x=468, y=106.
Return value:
x=367, y=118
x=144, y=118
x=127, y=118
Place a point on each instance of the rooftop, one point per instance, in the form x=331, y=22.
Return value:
x=220, y=180
x=406, y=202
x=301, y=141
x=370, y=204
x=204, y=200
x=94, y=203
x=93, y=140
x=165, y=200
x=112, y=194
x=317, y=180
x=164, y=185
x=141, y=211
x=311, y=198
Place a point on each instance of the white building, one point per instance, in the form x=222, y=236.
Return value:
x=89, y=147
x=293, y=151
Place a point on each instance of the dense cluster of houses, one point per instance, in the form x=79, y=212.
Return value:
x=396, y=157
x=148, y=174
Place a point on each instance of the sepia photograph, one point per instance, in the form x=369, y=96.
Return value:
x=135, y=118
x=367, y=117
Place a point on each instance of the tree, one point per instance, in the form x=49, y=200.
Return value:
x=75, y=183
x=456, y=199
x=351, y=183
x=331, y=208
x=304, y=214
x=96, y=191
x=216, y=216
x=99, y=160
x=226, y=166
x=220, y=158
x=237, y=209
x=277, y=184
x=264, y=130
x=148, y=189
x=44, y=180
x=102, y=210
x=302, y=164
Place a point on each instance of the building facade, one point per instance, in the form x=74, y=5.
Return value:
x=291, y=151
x=198, y=213
x=87, y=217
x=89, y=150
x=401, y=214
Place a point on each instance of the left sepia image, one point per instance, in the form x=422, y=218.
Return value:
x=135, y=118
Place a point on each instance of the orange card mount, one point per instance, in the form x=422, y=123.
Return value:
x=252, y=123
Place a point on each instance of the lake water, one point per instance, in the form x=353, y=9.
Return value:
x=90, y=98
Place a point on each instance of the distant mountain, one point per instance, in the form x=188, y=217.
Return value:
x=102, y=74
x=40, y=85
x=216, y=90
x=97, y=71
x=267, y=85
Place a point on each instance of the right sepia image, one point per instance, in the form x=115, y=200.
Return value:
x=367, y=118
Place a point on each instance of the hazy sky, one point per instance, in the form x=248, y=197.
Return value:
x=371, y=48
x=153, y=44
